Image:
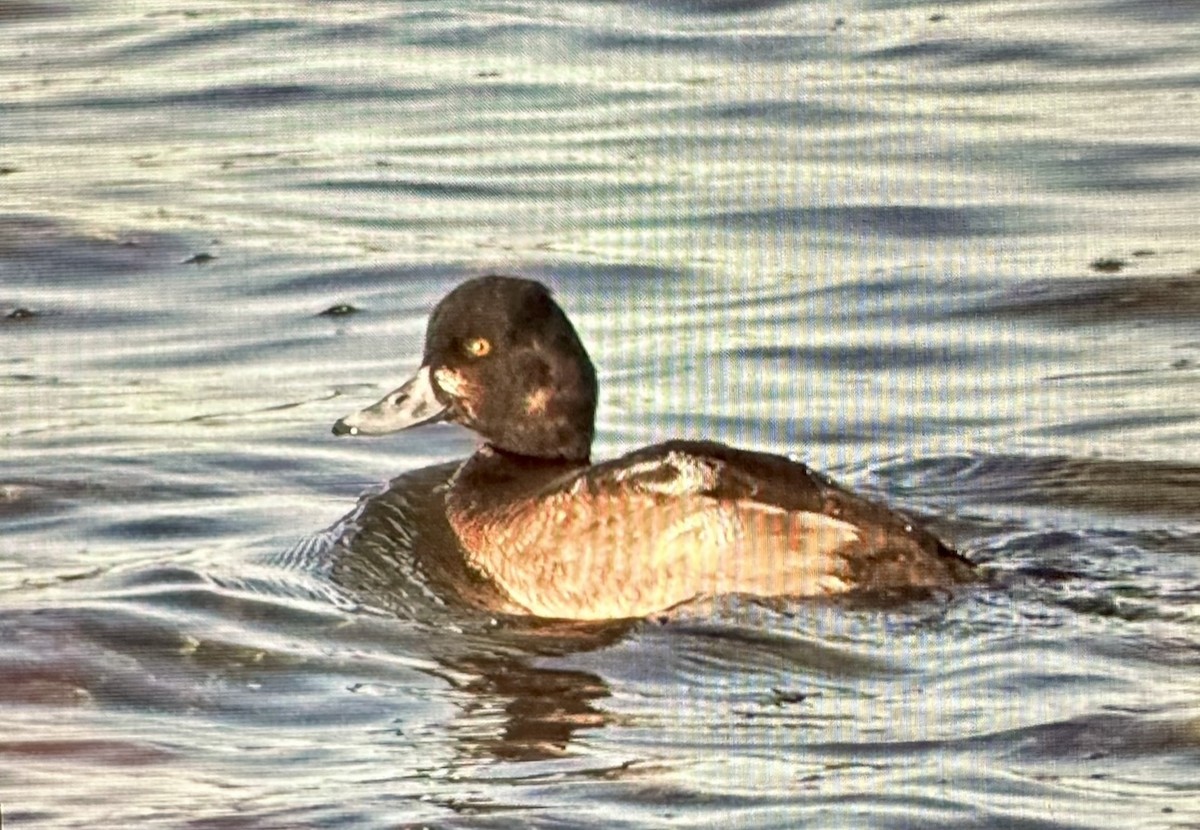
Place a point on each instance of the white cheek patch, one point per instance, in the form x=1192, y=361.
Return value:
x=451, y=382
x=457, y=387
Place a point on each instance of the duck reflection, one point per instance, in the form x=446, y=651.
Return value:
x=541, y=709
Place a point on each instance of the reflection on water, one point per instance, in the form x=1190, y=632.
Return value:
x=946, y=253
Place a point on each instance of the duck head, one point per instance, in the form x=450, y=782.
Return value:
x=501, y=359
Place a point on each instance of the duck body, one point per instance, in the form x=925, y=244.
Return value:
x=562, y=537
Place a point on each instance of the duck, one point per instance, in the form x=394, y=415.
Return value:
x=641, y=534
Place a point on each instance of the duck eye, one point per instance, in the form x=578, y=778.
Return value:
x=478, y=346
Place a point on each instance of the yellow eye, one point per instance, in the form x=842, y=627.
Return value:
x=478, y=347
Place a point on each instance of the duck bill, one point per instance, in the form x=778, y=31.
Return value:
x=411, y=405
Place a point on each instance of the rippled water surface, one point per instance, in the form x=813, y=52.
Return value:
x=945, y=252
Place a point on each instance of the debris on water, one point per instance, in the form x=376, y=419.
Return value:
x=199, y=259
x=1107, y=265
x=781, y=697
x=21, y=313
x=339, y=310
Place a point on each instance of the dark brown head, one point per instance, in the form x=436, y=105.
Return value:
x=502, y=359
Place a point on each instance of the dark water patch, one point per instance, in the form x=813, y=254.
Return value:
x=605, y=280
x=1102, y=300
x=715, y=8
x=160, y=528
x=1114, y=486
x=170, y=639
x=63, y=316
x=960, y=52
x=394, y=281
x=190, y=37
x=1173, y=79
x=1084, y=739
x=412, y=291
x=358, y=33
x=204, y=354
x=915, y=300
x=899, y=298
x=561, y=170
x=1112, y=424
x=1160, y=12
x=252, y=96
x=237, y=97
x=445, y=189
x=34, y=496
x=1106, y=166
x=721, y=644
x=871, y=431
x=1102, y=735
x=904, y=221
x=1068, y=577
x=39, y=251
x=53, y=657
x=19, y=11
x=120, y=659
x=739, y=45
x=260, y=607
x=562, y=95
x=257, y=461
x=677, y=135
x=162, y=576
x=258, y=96
x=94, y=751
x=456, y=31
x=779, y=111
x=24, y=497
x=886, y=357
x=781, y=433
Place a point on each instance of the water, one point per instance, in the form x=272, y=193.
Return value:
x=946, y=253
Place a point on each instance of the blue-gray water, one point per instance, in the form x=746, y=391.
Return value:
x=947, y=253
